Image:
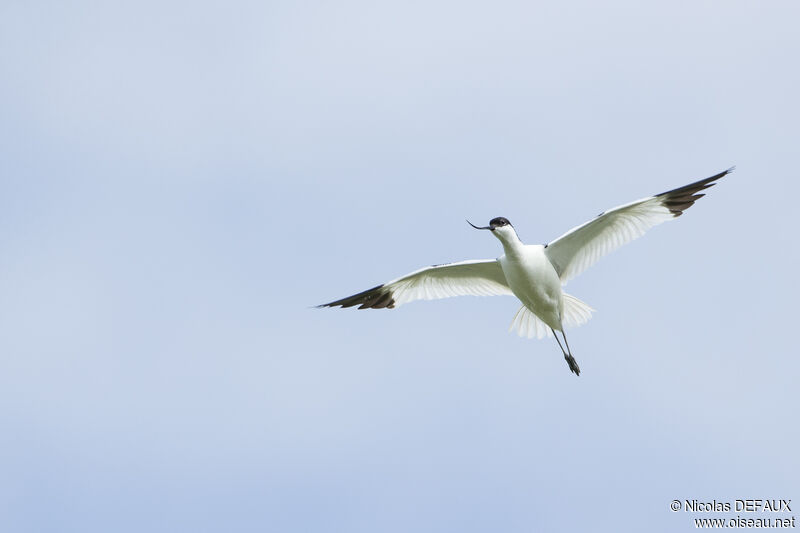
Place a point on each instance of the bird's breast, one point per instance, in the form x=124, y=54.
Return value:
x=532, y=279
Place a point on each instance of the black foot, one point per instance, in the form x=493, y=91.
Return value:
x=573, y=365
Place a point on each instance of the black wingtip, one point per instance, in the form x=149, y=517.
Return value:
x=680, y=199
x=375, y=298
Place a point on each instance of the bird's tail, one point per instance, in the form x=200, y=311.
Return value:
x=576, y=312
x=527, y=324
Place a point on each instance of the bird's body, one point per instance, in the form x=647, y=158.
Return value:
x=535, y=273
x=532, y=279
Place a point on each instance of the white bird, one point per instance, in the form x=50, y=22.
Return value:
x=534, y=273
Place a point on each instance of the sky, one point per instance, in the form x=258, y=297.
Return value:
x=182, y=182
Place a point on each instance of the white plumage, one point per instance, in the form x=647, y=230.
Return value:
x=465, y=278
x=527, y=324
x=582, y=246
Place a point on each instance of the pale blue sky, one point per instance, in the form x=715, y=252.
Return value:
x=182, y=181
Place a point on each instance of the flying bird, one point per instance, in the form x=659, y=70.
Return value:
x=535, y=273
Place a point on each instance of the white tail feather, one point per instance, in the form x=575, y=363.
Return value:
x=529, y=325
x=576, y=313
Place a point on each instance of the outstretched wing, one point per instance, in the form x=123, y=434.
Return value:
x=475, y=278
x=581, y=247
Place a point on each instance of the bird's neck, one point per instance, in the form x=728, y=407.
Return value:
x=511, y=243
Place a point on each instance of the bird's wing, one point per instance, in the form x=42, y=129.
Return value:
x=581, y=247
x=476, y=278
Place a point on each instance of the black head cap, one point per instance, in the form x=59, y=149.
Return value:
x=499, y=222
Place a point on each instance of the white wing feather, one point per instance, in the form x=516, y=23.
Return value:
x=582, y=246
x=465, y=278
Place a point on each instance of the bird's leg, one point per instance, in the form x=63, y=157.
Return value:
x=558, y=341
x=571, y=362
